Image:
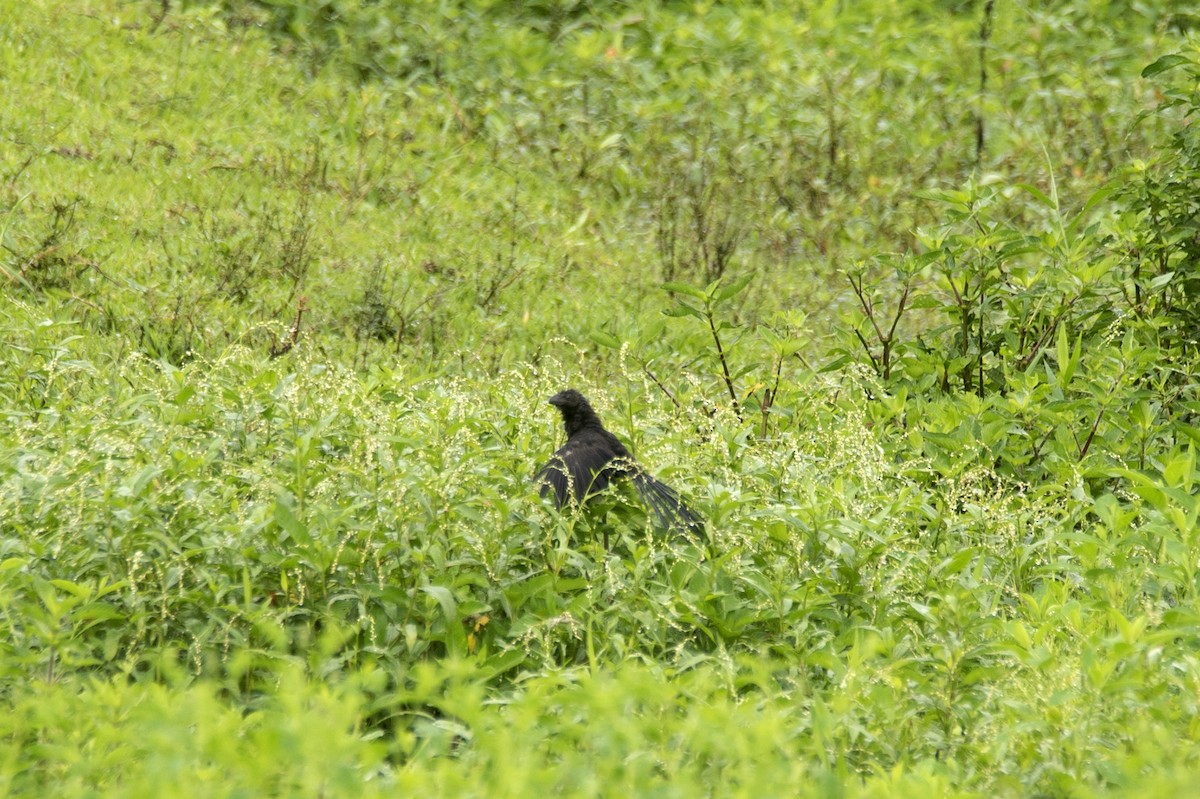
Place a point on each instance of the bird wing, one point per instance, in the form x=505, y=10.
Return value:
x=591, y=459
x=577, y=470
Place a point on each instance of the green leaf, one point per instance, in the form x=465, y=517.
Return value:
x=72, y=588
x=683, y=309
x=445, y=599
x=957, y=562
x=99, y=611
x=1161, y=280
x=606, y=339
x=142, y=479
x=1039, y=195
x=948, y=196
x=610, y=141
x=1074, y=354
x=684, y=288
x=456, y=636
x=1180, y=468
x=286, y=518
x=1169, y=61
x=1097, y=197
x=1193, y=433
x=733, y=288
x=505, y=661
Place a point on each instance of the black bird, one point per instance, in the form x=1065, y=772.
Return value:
x=593, y=458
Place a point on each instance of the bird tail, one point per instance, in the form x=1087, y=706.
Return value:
x=667, y=505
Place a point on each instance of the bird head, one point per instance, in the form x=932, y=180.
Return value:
x=568, y=399
x=574, y=407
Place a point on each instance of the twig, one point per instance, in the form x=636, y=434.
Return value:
x=985, y=32
x=283, y=348
x=658, y=383
x=737, y=409
x=1087, y=444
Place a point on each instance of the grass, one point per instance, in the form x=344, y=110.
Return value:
x=284, y=298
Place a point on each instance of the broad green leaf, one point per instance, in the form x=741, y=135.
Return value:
x=684, y=288
x=1039, y=195
x=286, y=518
x=733, y=289
x=1164, y=63
x=72, y=588
x=605, y=339
x=683, y=309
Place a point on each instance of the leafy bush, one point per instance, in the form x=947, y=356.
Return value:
x=1158, y=236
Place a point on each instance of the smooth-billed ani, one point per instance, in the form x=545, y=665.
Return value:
x=593, y=458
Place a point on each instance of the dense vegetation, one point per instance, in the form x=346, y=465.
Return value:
x=904, y=299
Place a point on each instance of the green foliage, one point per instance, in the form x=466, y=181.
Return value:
x=286, y=286
x=1159, y=234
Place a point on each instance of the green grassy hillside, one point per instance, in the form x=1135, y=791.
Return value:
x=903, y=300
